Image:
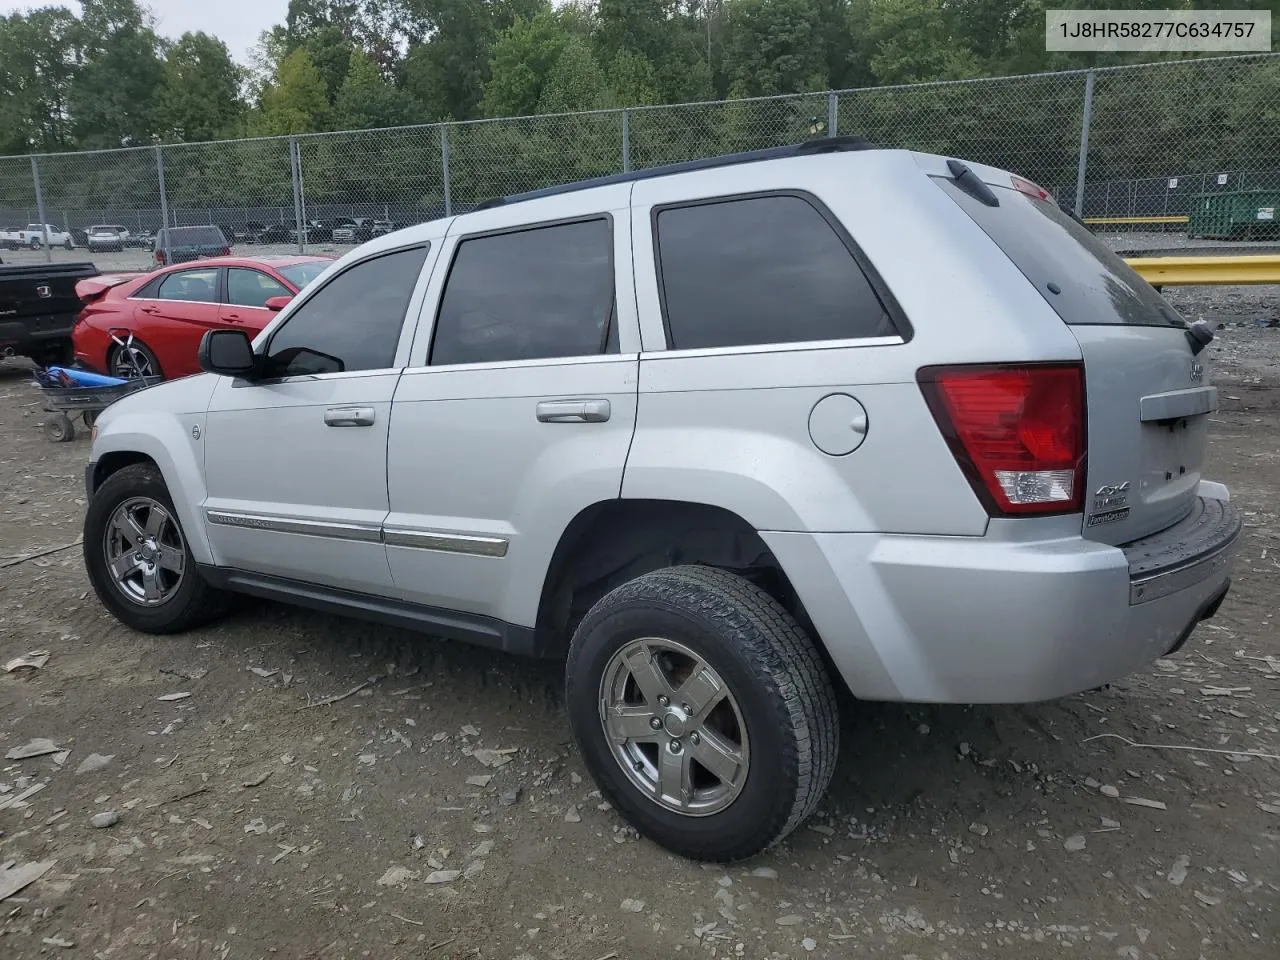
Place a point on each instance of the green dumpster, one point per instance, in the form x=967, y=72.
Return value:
x=1235, y=215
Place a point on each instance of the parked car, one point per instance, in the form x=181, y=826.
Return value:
x=107, y=237
x=144, y=239
x=279, y=233
x=168, y=310
x=251, y=231
x=34, y=236
x=10, y=237
x=359, y=230
x=184, y=244
x=709, y=469
x=38, y=307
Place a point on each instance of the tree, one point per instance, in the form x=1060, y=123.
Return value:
x=777, y=47
x=523, y=58
x=200, y=99
x=366, y=100
x=112, y=99
x=37, y=64
x=330, y=49
x=296, y=101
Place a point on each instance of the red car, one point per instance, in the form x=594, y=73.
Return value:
x=168, y=311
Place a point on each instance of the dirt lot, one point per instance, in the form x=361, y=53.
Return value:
x=255, y=821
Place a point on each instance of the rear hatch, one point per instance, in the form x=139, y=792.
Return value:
x=1148, y=395
x=183, y=244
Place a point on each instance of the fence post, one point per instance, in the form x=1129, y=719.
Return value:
x=295, y=167
x=164, y=196
x=1083, y=161
x=833, y=113
x=44, y=227
x=626, y=141
x=444, y=169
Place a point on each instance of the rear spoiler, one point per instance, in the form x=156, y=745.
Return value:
x=94, y=287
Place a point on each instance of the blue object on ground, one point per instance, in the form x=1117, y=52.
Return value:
x=83, y=378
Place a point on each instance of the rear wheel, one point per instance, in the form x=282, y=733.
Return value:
x=35, y=243
x=133, y=360
x=703, y=711
x=137, y=556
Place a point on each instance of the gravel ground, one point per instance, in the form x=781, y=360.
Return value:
x=440, y=811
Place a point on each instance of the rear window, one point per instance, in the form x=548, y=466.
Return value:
x=301, y=274
x=193, y=237
x=1054, y=251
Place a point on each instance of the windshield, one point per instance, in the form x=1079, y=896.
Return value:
x=1084, y=281
x=301, y=274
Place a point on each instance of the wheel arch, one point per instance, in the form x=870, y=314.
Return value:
x=613, y=541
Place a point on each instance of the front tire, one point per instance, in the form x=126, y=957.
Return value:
x=137, y=556
x=703, y=711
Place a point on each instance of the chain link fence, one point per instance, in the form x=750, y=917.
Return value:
x=1189, y=145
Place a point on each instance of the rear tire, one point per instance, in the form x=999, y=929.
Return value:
x=152, y=597
x=60, y=429
x=119, y=364
x=775, y=718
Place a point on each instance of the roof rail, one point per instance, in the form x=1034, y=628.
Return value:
x=819, y=145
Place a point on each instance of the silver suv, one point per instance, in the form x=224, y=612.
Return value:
x=714, y=434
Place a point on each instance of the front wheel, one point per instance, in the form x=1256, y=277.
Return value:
x=137, y=556
x=703, y=711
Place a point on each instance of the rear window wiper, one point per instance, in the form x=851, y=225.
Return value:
x=972, y=184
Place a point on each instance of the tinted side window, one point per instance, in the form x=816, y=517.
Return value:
x=351, y=323
x=539, y=293
x=761, y=270
x=252, y=288
x=200, y=286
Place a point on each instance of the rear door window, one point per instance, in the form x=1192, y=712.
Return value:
x=760, y=270
x=531, y=294
x=194, y=286
x=1057, y=253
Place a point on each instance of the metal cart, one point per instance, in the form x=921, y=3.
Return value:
x=66, y=402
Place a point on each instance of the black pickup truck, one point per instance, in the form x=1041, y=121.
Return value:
x=38, y=307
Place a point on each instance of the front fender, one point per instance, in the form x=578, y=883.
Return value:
x=145, y=424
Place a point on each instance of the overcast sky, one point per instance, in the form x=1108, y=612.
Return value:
x=236, y=23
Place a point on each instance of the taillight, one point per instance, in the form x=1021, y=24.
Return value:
x=226, y=252
x=160, y=257
x=1017, y=431
x=1033, y=190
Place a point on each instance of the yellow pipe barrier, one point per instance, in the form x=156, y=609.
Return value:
x=1169, y=219
x=1193, y=271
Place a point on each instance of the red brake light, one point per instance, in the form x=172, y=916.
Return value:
x=1033, y=190
x=226, y=252
x=160, y=257
x=1018, y=432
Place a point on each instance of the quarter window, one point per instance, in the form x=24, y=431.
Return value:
x=533, y=294
x=761, y=270
x=351, y=323
x=197, y=286
x=253, y=288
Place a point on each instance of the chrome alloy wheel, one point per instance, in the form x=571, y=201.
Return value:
x=674, y=727
x=145, y=551
x=130, y=363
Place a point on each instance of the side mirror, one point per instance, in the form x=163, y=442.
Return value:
x=276, y=304
x=228, y=353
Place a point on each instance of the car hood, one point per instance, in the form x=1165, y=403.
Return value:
x=186, y=395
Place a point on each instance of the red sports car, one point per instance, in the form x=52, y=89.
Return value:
x=168, y=311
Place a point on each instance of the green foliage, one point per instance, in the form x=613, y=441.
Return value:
x=200, y=99
x=112, y=96
x=523, y=58
x=366, y=100
x=38, y=53
x=777, y=47
x=297, y=101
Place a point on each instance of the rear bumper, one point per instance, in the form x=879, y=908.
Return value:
x=1002, y=620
